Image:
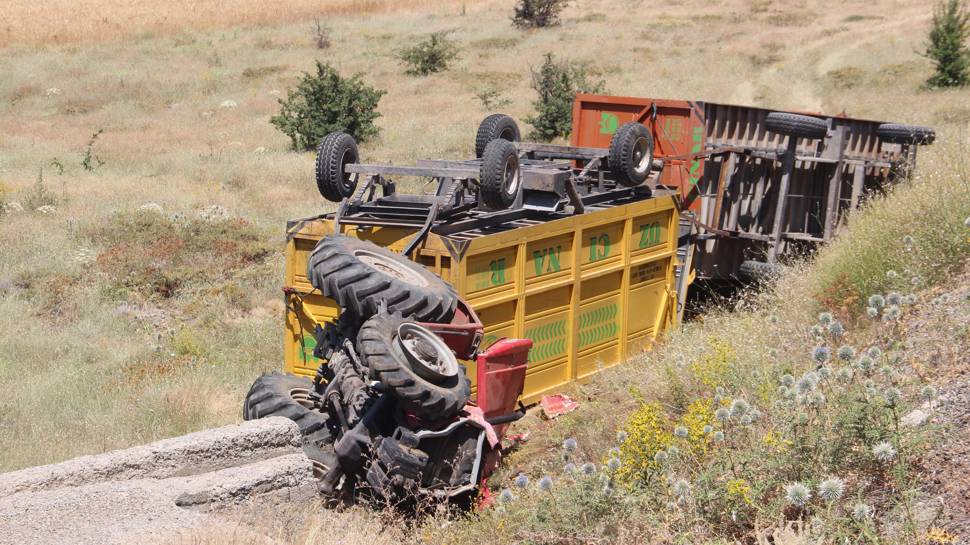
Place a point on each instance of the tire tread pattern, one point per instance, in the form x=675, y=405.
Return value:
x=438, y=401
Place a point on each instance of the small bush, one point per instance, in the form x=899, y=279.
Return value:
x=38, y=196
x=492, y=99
x=326, y=102
x=433, y=54
x=321, y=35
x=538, y=13
x=947, y=45
x=557, y=84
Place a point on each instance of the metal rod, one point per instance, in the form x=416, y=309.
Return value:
x=787, y=166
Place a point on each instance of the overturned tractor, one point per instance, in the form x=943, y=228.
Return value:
x=390, y=413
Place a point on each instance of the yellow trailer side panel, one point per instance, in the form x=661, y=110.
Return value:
x=590, y=290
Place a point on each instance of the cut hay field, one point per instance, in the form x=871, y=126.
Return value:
x=140, y=268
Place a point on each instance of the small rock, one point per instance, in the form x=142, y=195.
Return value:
x=47, y=209
x=151, y=207
x=213, y=213
x=228, y=104
x=915, y=419
x=13, y=207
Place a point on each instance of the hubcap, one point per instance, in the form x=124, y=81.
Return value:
x=641, y=155
x=428, y=355
x=511, y=176
x=349, y=180
x=390, y=267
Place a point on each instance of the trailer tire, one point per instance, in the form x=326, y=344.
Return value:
x=437, y=399
x=493, y=127
x=335, y=152
x=499, y=175
x=804, y=126
x=281, y=394
x=905, y=134
x=758, y=270
x=361, y=276
x=631, y=154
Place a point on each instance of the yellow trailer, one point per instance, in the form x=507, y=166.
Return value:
x=589, y=289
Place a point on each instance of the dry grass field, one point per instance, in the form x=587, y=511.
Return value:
x=139, y=285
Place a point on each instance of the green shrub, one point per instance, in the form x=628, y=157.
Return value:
x=947, y=45
x=325, y=102
x=557, y=84
x=538, y=13
x=430, y=55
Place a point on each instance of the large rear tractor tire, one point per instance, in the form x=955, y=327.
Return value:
x=499, y=175
x=281, y=394
x=414, y=365
x=631, y=154
x=335, y=152
x=493, y=127
x=802, y=126
x=361, y=276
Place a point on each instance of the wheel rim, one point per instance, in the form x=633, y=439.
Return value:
x=390, y=267
x=510, y=175
x=428, y=355
x=302, y=397
x=348, y=181
x=642, y=155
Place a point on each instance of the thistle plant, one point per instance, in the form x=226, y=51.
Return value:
x=825, y=318
x=891, y=274
x=893, y=396
x=681, y=432
x=872, y=312
x=545, y=483
x=928, y=393
x=521, y=481
x=884, y=452
x=739, y=407
x=681, y=488
x=831, y=489
x=588, y=468
x=718, y=436
x=877, y=301
x=797, y=494
x=660, y=457
x=875, y=353
x=891, y=313
x=894, y=298
x=821, y=354
x=846, y=353
x=788, y=380
x=722, y=414
x=613, y=464
x=506, y=496
x=861, y=512
x=836, y=329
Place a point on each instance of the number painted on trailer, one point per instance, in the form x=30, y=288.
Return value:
x=649, y=234
x=497, y=268
x=599, y=247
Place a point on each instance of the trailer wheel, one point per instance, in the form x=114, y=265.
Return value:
x=499, y=174
x=414, y=365
x=281, y=394
x=335, y=152
x=758, y=270
x=361, y=276
x=803, y=126
x=631, y=154
x=493, y=127
x=905, y=134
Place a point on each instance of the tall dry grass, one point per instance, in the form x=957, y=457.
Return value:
x=73, y=21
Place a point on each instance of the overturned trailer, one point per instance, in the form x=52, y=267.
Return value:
x=758, y=184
